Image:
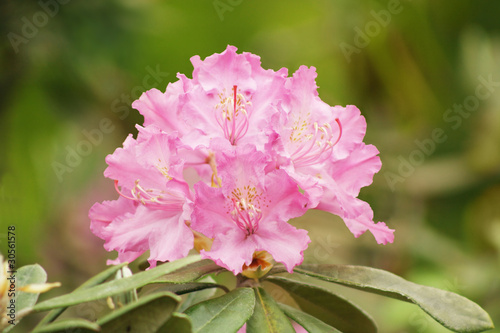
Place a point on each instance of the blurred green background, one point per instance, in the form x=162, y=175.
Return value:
x=416, y=69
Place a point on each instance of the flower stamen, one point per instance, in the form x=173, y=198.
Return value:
x=316, y=147
x=164, y=200
x=232, y=115
x=246, y=216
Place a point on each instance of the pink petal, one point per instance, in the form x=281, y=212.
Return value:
x=286, y=202
x=241, y=167
x=151, y=160
x=308, y=183
x=160, y=151
x=223, y=70
x=356, y=170
x=353, y=129
x=303, y=83
x=164, y=233
x=284, y=242
x=127, y=256
x=358, y=217
x=211, y=212
x=122, y=164
x=232, y=250
x=101, y=215
x=162, y=109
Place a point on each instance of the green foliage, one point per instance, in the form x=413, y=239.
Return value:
x=95, y=280
x=179, y=323
x=449, y=309
x=267, y=316
x=326, y=306
x=159, y=308
x=64, y=325
x=146, y=315
x=115, y=286
x=310, y=323
x=229, y=311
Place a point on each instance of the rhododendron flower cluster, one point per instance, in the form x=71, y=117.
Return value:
x=225, y=160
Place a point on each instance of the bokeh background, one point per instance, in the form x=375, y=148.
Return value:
x=416, y=69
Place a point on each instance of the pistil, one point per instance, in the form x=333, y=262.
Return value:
x=232, y=115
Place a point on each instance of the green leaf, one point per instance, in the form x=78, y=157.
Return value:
x=185, y=288
x=28, y=275
x=95, y=280
x=115, y=286
x=229, y=311
x=178, y=323
x=267, y=316
x=310, y=323
x=326, y=306
x=191, y=272
x=199, y=296
x=146, y=315
x=451, y=310
x=69, y=325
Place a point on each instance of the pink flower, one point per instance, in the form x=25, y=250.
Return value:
x=342, y=181
x=155, y=201
x=249, y=212
x=230, y=96
x=163, y=110
x=233, y=154
x=322, y=149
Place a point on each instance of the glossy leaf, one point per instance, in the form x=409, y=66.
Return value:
x=95, y=280
x=310, y=323
x=332, y=309
x=267, y=316
x=69, y=325
x=449, y=309
x=178, y=323
x=229, y=312
x=146, y=315
x=115, y=286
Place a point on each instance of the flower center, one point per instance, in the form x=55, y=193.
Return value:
x=312, y=146
x=232, y=115
x=245, y=208
x=154, y=198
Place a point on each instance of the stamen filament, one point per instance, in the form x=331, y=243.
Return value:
x=317, y=147
x=246, y=216
x=231, y=115
x=164, y=200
